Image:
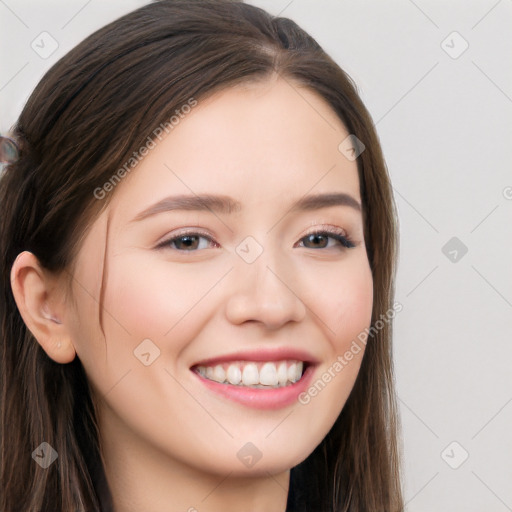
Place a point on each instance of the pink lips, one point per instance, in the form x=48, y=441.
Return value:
x=273, y=398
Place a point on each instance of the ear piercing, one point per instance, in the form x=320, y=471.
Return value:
x=49, y=316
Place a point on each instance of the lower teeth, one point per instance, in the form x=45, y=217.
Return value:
x=256, y=386
x=261, y=386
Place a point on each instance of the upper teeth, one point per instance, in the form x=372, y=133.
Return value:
x=244, y=373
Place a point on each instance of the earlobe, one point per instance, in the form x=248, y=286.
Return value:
x=40, y=303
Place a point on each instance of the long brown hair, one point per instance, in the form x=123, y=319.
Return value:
x=88, y=114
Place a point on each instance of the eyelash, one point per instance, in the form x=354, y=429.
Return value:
x=337, y=234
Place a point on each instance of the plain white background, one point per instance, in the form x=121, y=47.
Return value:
x=437, y=80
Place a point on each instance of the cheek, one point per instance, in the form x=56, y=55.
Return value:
x=343, y=306
x=355, y=306
x=143, y=298
x=343, y=300
x=140, y=301
x=159, y=300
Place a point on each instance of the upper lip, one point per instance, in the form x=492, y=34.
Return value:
x=261, y=355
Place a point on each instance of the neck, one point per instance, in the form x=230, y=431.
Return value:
x=141, y=477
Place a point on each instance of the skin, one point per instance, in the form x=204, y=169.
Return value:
x=169, y=443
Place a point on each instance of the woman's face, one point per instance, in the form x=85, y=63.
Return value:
x=236, y=289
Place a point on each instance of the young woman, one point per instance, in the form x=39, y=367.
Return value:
x=198, y=246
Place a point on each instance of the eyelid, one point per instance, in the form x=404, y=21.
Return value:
x=316, y=228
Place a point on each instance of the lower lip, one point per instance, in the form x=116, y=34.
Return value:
x=275, y=398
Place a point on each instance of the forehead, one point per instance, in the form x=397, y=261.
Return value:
x=259, y=142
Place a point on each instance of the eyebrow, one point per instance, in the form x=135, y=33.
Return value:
x=226, y=204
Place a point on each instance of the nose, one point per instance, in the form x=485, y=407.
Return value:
x=264, y=293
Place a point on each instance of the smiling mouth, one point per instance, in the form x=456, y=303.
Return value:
x=252, y=374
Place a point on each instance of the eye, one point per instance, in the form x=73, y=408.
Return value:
x=188, y=241
x=320, y=239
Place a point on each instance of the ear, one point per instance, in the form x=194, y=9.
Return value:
x=40, y=299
